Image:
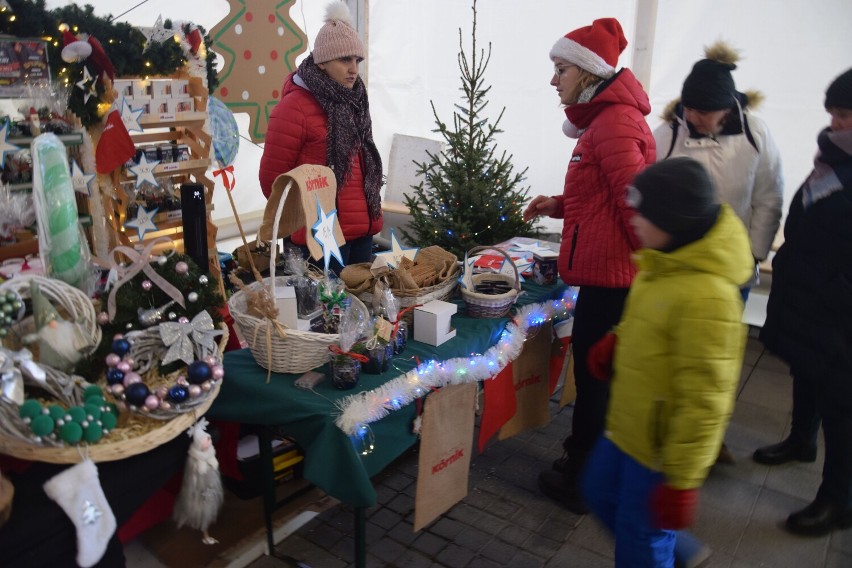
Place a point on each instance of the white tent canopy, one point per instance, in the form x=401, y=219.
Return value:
x=791, y=50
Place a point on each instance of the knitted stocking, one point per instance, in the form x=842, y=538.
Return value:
x=78, y=491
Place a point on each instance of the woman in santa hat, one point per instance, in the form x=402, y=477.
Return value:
x=605, y=110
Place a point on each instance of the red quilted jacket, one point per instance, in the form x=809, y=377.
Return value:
x=615, y=144
x=297, y=135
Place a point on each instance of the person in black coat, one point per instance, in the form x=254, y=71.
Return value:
x=809, y=320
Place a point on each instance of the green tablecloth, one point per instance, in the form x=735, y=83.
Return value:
x=331, y=460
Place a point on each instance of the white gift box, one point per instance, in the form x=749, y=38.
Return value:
x=180, y=105
x=285, y=301
x=161, y=88
x=432, y=322
x=180, y=88
x=141, y=89
x=124, y=87
x=136, y=104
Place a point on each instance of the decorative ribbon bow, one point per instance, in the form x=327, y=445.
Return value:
x=141, y=262
x=331, y=299
x=399, y=317
x=181, y=338
x=357, y=356
x=227, y=174
x=13, y=366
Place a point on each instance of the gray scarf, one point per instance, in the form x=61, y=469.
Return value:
x=350, y=129
x=832, y=166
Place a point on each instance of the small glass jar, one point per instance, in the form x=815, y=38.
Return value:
x=345, y=372
x=380, y=357
x=307, y=296
x=401, y=339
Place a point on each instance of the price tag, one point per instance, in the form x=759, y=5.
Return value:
x=384, y=329
x=170, y=167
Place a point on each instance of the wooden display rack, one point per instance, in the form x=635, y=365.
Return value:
x=176, y=128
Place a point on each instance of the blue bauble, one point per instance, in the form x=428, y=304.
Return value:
x=120, y=347
x=136, y=393
x=178, y=393
x=198, y=372
x=114, y=376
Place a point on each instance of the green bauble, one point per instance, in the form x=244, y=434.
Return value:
x=77, y=413
x=42, y=425
x=71, y=432
x=108, y=420
x=93, y=410
x=30, y=409
x=93, y=432
x=56, y=412
x=92, y=390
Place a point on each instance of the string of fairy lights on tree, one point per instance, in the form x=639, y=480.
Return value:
x=130, y=52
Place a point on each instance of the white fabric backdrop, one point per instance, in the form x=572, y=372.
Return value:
x=791, y=51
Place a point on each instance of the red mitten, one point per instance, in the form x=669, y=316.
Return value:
x=599, y=358
x=673, y=509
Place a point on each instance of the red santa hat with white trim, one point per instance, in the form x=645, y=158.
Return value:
x=594, y=48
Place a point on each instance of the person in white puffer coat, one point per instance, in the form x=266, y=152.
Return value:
x=712, y=124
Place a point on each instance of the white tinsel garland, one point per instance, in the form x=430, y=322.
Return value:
x=370, y=406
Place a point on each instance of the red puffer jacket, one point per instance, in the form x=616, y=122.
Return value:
x=297, y=135
x=615, y=144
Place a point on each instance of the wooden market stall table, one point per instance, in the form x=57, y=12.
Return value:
x=332, y=462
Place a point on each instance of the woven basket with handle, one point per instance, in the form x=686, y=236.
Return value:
x=488, y=305
x=274, y=347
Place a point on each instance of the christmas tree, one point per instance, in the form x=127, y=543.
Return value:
x=469, y=196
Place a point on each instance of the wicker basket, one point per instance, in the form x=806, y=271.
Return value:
x=76, y=305
x=488, y=305
x=406, y=298
x=116, y=448
x=273, y=347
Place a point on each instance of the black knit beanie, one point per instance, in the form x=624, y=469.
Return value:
x=839, y=93
x=678, y=196
x=709, y=86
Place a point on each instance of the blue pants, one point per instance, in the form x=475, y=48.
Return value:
x=618, y=490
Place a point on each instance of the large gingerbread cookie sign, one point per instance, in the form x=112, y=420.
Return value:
x=259, y=43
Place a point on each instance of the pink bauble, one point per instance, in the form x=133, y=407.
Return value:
x=211, y=360
x=124, y=367
x=162, y=392
x=194, y=391
x=118, y=336
x=181, y=267
x=117, y=389
x=147, y=285
x=152, y=402
x=206, y=386
x=103, y=318
x=181, y=380
x=165, y=405
x=130, y=361
x=183, y=319
x=131, y=377
x=218, y=372
x=112, y=360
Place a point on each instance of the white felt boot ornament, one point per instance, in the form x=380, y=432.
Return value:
x=78, y=491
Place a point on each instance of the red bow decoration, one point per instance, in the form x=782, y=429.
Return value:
x=226, y=179
x=193, y=37
x=357, y=356
x=399, y=317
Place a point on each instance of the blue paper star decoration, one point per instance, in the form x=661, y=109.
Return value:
x=323, y=231
x=394, y=256
x=81, y=181
x=144, y=171
x=144, y=221
x=5, y=146
x=130, y=117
